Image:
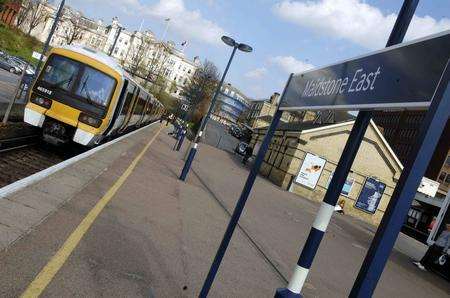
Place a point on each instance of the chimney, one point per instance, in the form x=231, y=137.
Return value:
x=275, y=98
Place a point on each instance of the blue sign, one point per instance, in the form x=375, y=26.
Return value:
x=399, y=76
x=370, y=195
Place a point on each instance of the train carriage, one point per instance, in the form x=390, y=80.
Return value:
x=84, y=96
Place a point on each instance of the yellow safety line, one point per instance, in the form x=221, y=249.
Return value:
x=38, y=285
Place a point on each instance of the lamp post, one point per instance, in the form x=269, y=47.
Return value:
x=235, y=45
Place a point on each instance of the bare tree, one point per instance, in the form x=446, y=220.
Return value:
x=139, y=52
x=200, y=89
x=74, y=30
x=23, y=13
x=36, y=14
x=159, y=59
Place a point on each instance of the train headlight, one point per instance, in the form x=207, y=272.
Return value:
x=89, y=120
x=43, y=102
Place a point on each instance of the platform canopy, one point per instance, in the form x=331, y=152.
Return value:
x=402, y=76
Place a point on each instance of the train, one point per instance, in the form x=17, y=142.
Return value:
x=85, y=96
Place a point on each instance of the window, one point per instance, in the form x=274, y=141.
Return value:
x=95, y=86
x=128, y=98
x=447, y=162
x=61, y=72
x=189, y=71
x=447, y=179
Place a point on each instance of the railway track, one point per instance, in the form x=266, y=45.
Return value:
x=14, y=143
x=23, y=156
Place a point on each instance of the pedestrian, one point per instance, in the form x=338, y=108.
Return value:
x=431, y=225
x=339, y=208
x=247, y=154
x=437, y=252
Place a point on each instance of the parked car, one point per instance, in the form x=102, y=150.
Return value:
x=21, y=65
x=235, y=131
x=240, y=148
x=7, y=64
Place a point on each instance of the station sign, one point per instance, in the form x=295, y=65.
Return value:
x=401, y=76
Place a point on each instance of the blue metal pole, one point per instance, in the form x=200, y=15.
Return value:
x=193, y=150
x=242, y=200
x=325, y=213
x=404, y=193
x=180, y=142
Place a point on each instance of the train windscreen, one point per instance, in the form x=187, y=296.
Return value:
x=79, y=80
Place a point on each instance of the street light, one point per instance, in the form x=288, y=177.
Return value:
x=235, y=45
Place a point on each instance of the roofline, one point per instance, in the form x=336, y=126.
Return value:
x=377, y=131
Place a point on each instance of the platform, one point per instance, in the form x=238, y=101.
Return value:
x=157, y=236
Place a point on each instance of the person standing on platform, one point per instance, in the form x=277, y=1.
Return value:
x=435, y=251
x=248, y=153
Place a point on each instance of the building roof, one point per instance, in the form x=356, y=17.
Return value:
x=339, y=117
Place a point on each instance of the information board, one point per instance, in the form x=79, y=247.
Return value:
x=347, y=188
x=400, y=76
x=370, y=195
x=310, y=170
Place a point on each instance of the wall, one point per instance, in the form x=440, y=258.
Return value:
x=287, y=152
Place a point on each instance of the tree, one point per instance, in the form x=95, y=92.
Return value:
x=139, y=51
x=36, y=14
x=73, y=30
x=173, y=87
x=200, y=89
x=156, y=66
x=23, y=13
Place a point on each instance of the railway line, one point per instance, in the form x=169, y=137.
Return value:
x=23, y=156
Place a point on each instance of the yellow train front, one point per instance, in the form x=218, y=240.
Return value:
x=84, y=96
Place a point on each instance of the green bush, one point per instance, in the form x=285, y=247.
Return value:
x=16, y=43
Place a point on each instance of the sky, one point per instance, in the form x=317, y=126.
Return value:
x=286, y=35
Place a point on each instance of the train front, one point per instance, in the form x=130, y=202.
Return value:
x=74, y=97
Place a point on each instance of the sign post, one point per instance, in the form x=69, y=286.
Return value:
x=334, y=89
x=241, y=202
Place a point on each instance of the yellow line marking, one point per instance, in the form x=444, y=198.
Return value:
x=38, y=285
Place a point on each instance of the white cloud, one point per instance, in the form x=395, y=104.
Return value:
x=256, y=73
x=353, y=20
x=290, y=65
x=189, y=24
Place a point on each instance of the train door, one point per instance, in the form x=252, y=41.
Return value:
x=123, y=105
x=144, y=110
x=129, y=107
x=137, y=109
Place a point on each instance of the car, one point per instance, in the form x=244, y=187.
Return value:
x=7, y=64
x=20, y=63
x=240, y=148
x=235, y=131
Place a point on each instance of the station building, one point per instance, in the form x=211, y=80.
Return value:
x=295, y=144
x=261, y=112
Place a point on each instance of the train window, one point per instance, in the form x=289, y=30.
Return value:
x=140, y=106
x=61, y=72
x=128, y=98
x=95, y=86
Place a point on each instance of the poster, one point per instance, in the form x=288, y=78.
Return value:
x=310, y=170
x=347, y=188
x=370, y=195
